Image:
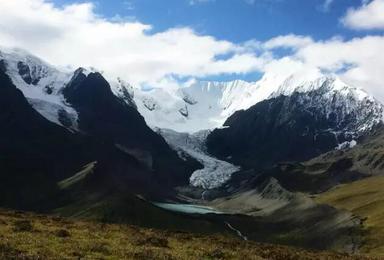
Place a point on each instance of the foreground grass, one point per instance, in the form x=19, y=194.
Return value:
x=31, y=236
x=364, y=198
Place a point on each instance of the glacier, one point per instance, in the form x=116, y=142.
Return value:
x=215, y=172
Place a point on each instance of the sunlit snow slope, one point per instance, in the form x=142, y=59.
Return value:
x=41, y=84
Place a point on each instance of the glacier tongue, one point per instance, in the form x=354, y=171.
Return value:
x=215, y=172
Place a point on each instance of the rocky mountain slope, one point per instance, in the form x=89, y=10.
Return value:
x=83, y=101
x=317, y=113
x=109, y=118
x=36, y=154
x=48, y=168
x=316, y=117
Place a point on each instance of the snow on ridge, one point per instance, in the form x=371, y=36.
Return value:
x=299, y=84
x=191, y=108
x=40, y=83
x=209, y=104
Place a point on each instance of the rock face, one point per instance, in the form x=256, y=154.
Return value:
x=34, y=153
x=109, y=118
x=311, y=120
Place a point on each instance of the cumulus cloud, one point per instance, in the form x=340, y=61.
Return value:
x=288, y=41
x=369, y=16
x=75, y=35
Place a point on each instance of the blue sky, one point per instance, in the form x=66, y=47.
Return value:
x=236, y=20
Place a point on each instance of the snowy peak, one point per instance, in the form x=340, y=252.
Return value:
x=32, y=74
x=41, y=84
x=198, y=106
x=299, y=121
x=330, y=84
x=225, y=96
x=125, y=91
x=352, y=109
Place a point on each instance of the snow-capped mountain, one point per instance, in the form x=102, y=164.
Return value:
x=41, y=84
x=205, y=105
x=316, y=106
x=84, y=102
x=355, y=110
x=297, y=122
x=198, y=106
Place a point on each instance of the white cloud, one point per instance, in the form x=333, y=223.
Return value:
x=369, y=16
x=359, y=61
x=75, y=35
x=288, y=41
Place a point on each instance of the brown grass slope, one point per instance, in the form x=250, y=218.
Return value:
x=365, y=198
x=30, y=236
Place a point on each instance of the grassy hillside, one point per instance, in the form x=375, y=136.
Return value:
x=30, y=236
x=364, y=198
